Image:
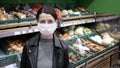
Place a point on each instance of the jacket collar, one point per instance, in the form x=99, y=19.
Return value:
x=36, y=38
x=56, y=41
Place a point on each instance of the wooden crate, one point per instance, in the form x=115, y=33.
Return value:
x=81, y=66
x=102, y=60
x=103, y=64
x=114, y=59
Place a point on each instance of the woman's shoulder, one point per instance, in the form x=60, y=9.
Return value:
x=34, y=37
x=65, y=46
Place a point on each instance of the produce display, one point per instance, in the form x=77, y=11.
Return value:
x=15, y=45
x=79, y=11
x=23, y=11
x=78, y=46
x=107, y=39
x=96, y=38
x=92, y=45
x=1, y=52
x=19, y=14
x=4, y=15
x=70, y=12
x=83, y=11
x=73, y=58
x=65, y=37
x=36, y=7
x=59, y=13
x=99, y=26
x=115, y=35
x=77, y=30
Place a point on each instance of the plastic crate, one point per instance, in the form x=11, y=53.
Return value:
x=9, y=59
x=27, y=19
x=75, y=64
x=106, y=47
x=83, y=54
x=15, y=20
x=70, y=42
x=19, y=56
x=4, y=46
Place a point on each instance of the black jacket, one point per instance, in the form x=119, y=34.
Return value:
x=30, y=53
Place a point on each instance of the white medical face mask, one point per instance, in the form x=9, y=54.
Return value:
x=47, y=29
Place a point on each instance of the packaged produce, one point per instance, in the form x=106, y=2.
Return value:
x=92, y=45
x=73, y=58
x=4, y=15
x=78, y=46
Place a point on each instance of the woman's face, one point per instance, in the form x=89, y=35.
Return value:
x=46, y=19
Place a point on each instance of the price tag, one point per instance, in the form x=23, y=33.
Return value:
x=30, y=31
x=64, y=25
x=78, y=22
x=75, y=23
x=105, y=18
x=61, y=25
x=93, y=20
x=36, y=29
x=17, y=33
x=99, y=19
x=24, y=32
x=88, y=21
x=82, y=21
x=68, y=23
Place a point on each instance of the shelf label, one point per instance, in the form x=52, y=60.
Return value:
x=17, y=33
x=30, y=31
x=93, y=20
x=82, y=21
x=24, y=32
x=67, y=23
x=61, y=25
x=36, y=29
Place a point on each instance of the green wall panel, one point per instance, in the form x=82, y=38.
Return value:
x=10, y=1
x=102, y=6
x=37, y=1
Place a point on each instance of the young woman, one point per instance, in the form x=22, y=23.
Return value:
x=45, y=50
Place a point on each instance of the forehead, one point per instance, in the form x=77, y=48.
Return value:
x=45, y=16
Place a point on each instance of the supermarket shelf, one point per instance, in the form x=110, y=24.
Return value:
x=89, y=19
x=78, y=17
x=28, y=28
x=18, y=31
x=77, y=22
x=12, y=25
x=106, y=18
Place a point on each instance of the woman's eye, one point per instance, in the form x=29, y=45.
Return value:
x=50, y=21
x=41, y=21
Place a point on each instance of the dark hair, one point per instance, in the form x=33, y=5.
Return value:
x=48, y=10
